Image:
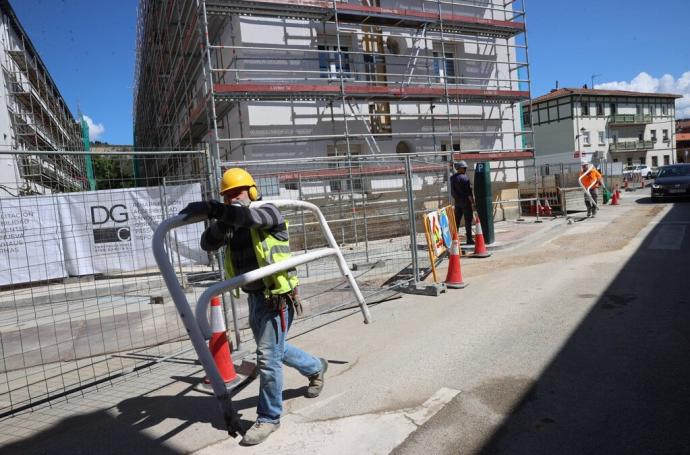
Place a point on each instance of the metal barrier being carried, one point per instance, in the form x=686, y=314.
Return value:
x=589, y=187
x=197, y=323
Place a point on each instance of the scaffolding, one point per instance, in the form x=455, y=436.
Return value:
x=39, y=119
x=272, y=79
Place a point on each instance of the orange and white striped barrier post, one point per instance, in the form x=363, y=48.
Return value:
x=218, y=344
x=480, y=250
x=454, y=275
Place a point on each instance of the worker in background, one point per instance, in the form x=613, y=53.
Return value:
x=592, y=179
x=253, y=238
x=461, y=190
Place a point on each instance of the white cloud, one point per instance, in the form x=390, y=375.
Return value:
x=644, y=82
x=95, y=129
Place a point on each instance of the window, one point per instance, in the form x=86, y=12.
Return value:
x=629, y=161
x=667, y=160
x=444, y=68
x=584, y=107
x=612, y=107
x=638, y=109
x=330, y=60
x=380, y=119
x=652, y=135
x=456, y=147
x=586, y=138
x=345, y=182
x=602, y=139
x=374, y=67
x=664, y=109
x=655, y=161
x=600, y=108
x=640, y=137
x=664, y=135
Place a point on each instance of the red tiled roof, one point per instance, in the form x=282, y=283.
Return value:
x=562, y=92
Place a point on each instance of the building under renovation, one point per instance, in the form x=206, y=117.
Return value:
x=34, y=117
x=272, y=79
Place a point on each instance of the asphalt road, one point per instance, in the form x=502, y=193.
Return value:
x=617, y=326
x=577, y=342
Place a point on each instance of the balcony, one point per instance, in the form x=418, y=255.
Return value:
x=631, y=146
x=629, y=119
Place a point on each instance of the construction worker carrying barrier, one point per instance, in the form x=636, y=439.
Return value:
x=461, y=190
x=253, y=238
x=592, y=179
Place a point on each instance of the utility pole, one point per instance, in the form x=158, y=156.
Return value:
x=592, y=79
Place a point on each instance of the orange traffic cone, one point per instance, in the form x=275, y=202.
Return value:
x=218, y=344
x=454, y=276
x=547, y=207
x=480, y=250
x=614, y=197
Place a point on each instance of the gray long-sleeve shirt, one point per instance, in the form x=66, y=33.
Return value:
x=232, y=229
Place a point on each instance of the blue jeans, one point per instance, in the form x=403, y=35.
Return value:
x=271, y=353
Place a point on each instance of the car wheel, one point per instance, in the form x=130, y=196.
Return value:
x=649, y=175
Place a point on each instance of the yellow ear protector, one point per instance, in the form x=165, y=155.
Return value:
x=253, y=193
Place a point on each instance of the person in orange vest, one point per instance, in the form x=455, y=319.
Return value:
x=592, y=179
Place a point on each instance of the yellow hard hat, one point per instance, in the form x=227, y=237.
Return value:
x=237, y=178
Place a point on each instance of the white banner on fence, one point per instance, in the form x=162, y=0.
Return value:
x=30, y=240
x=110, y=230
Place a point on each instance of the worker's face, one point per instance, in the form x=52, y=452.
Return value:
x=236, y=194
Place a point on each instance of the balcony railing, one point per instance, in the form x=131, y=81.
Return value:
x=631, y=145
x=629, y=119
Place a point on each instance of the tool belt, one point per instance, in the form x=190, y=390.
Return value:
x=281, y=301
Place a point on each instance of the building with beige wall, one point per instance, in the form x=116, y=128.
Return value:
x=590, y=125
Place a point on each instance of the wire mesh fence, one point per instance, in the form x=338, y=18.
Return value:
x=82, y=302
x=79, y=288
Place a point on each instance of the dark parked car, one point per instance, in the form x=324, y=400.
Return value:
x=672, y=181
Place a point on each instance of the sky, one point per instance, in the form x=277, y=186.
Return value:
x=89, y=48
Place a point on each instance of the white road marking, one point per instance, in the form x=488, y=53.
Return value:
x=668, y=237
x=361, y=434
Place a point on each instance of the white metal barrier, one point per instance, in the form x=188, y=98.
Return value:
x=198, y=327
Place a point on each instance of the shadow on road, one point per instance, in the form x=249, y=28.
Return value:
x=621, y=383
x=124, y=428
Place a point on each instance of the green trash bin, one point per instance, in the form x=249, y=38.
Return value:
x=483, y=199
x=606, y=196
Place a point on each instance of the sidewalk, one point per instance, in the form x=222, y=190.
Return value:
x=166, y=410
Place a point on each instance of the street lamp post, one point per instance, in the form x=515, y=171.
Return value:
x=579, y=147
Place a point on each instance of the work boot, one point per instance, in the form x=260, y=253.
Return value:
x=316, y=381
x=594, y=212
x=589, y=213
x=258, y=433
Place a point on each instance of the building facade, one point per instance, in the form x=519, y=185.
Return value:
x=34, y=117
x=683, y=140
x=285, y=79
x=590, y=125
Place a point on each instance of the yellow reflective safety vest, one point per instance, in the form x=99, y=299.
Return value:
x=268, y=250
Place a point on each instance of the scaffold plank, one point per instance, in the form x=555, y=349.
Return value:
x=369, y=15
x=315, y=91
